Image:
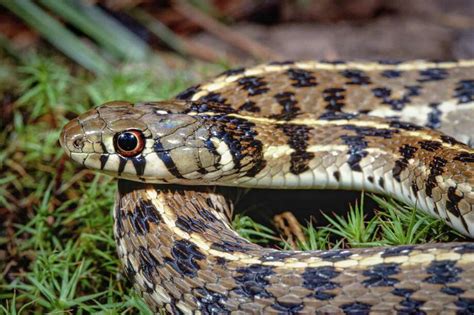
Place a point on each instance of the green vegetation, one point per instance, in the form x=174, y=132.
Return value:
x=57, y=252
x=393, y=224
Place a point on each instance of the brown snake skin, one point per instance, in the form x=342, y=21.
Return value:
x=290, y=125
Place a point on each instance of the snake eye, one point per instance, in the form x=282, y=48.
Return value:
x=129, y=143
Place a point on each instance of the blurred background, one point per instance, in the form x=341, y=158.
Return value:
x=60, y=58
x=97, y=34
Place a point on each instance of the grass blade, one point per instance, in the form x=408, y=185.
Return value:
x=57, y=35
x=110, y=34
x=135, y=48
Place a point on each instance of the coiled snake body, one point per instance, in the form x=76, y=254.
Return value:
x=290, y=125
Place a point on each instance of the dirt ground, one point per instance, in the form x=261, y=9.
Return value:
x=365, y=29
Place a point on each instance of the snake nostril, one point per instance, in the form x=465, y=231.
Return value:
x=78, y=143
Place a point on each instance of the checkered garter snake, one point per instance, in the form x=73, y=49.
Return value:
x=363, y=126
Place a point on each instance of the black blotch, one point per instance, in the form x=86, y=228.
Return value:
x=103, y=160
x=371, y=131
x=397, y=251
x=147, y=263
x=281, y=63
x=404, y=125
x=288, y=101
x=276, y=256
x=252, y=281
x=402, y=292
x=356, y=308
x=452, y=290
x=384, y=94
x=122, y=162
x=209, y=203
x=358, y=143
x=467, y=248
x=443, y=272
x=411, y=306
x=239, y=135
x=452, y=205
x=139, y=163
x=335, y=255
x=298, y=137
x=301, y=78
x=331, y=115
x=250, y=106
x=129, y=271
x=430, y=145
x=432, y=74
x=370, y=178
x=436, y=168
x=464, y=91
x=389, y=62
x=319, y=279
x=210, y=302
x=288, y=308
x=144, y=214
x=210, y=146
x=216, y=107
x=174, y=309
x=253, y=85
x=185, y=256
x=381, y=182
x=337, y=175
x=391, y=74
x=465, y=157
x=213, y=97
x=165, y=157
x=466, y=306
x=434, y=117
x=188, y=93
x=452, y=202
x=231, y=246
x=230, y=72
x=334, y=98
x=380, y=275
x=221, y=261
x=191, y=225
x=206, y=214
x=407, y=151
x=357, y=146
x=356, y=77
x=333, y=62
x=450, y=140
x=414, y=187
x=408, y=305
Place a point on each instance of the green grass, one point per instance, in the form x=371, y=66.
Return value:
x=393, y=224
x=56, y=243
x=57, y=253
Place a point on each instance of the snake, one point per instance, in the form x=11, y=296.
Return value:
x=391, y=128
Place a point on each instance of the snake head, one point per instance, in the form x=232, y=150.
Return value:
x=156, y=142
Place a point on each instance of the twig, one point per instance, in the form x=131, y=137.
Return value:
x=223, y=32
x=178, y=43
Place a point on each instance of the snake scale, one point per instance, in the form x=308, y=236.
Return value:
x=342, y=125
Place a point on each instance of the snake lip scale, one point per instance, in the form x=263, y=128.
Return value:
x=383, y=127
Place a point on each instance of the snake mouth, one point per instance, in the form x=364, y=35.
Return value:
x=66, y=136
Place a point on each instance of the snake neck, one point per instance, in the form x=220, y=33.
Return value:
x=178, y=248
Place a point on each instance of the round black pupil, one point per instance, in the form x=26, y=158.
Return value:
x=127, y=141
